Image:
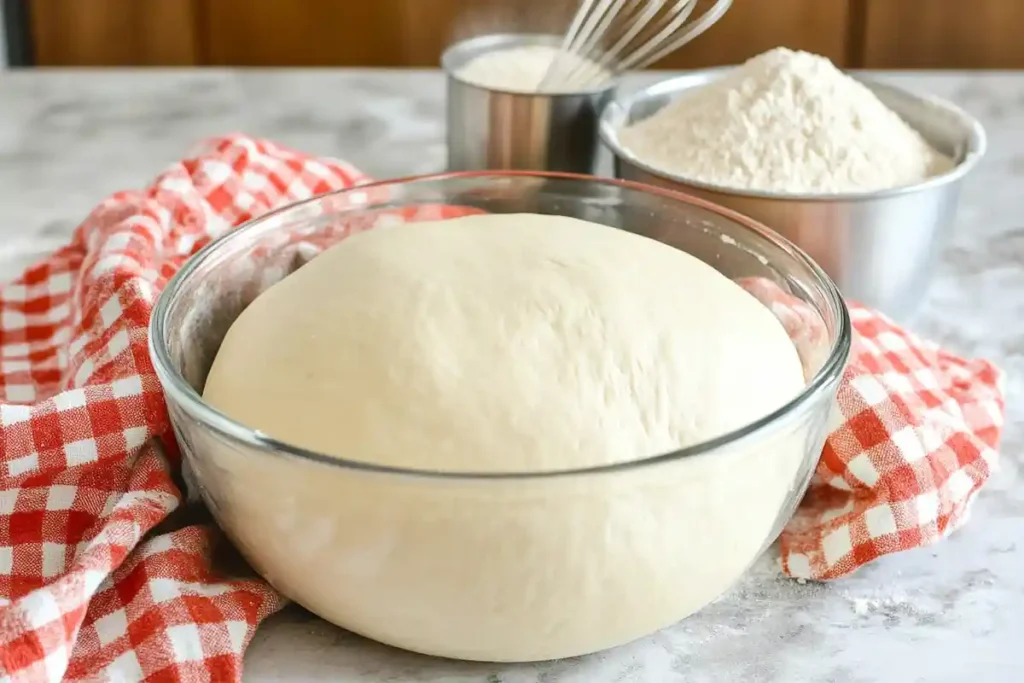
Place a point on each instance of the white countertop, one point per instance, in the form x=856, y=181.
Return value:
x=950, y=613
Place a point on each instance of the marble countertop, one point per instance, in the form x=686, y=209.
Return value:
x=949, y=613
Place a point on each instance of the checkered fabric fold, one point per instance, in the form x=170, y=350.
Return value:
x=97, y=582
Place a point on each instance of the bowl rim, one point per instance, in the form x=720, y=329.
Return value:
x=614, y=115
x=185, y=396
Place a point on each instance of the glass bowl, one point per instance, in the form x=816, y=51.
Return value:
x=496, y=567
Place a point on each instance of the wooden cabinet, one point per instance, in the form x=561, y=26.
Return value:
x=752, y=26
x=415, y=32
x=319, y=32
x=358, y=32
x=114, y=32
x=853, y=33
x=951, y=34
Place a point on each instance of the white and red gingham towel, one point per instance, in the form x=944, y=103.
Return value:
x=89, y=590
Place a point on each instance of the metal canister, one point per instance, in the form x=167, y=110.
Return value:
x=490, y=129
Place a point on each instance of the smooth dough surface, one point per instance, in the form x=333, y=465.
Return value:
x=500, y=343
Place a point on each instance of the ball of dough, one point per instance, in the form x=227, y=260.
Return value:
x=502, y=343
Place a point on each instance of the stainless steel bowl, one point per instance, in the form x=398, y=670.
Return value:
x=881, y=248
x=406, y=556
x=490, y=129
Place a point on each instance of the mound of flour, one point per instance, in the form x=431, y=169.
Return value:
x=785, y=121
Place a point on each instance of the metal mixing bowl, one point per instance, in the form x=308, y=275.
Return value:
x=388, y=552
x=880, y=247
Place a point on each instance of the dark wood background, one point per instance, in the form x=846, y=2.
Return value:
x=971, y=34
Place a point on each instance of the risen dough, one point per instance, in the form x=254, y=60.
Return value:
x=504, y=343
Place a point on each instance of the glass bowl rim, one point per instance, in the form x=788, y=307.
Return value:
x=177, y=389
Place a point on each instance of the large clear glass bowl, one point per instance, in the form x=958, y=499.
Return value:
x=514, y=567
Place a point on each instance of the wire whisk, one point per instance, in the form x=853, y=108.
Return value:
x=609, y=37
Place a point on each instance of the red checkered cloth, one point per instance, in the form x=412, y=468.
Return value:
x=913, y=440
x=92, y=589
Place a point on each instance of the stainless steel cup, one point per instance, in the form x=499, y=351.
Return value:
x=504, y=130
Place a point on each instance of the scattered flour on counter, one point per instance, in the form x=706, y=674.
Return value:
x=894, y=603
x=521, y=69
x=786, y=121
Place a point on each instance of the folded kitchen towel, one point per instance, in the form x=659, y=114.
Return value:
x=92, y=589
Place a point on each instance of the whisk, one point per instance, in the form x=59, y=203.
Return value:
x=638, y=32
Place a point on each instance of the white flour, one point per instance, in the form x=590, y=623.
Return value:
x=521, y=69
x=885, y=604
x=785, y=121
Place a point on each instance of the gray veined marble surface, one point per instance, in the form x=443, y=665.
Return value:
x=946, y=614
